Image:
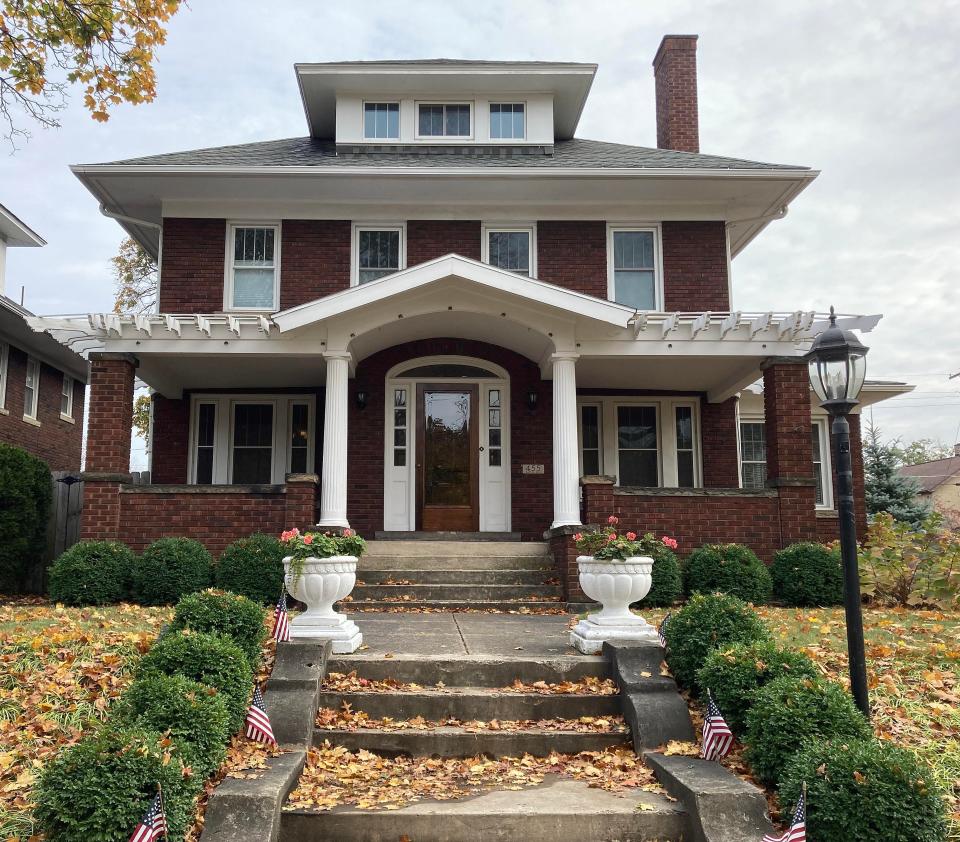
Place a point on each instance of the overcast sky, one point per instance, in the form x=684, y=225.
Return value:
x=867, y=92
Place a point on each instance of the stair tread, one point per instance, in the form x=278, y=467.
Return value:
x=458, y=730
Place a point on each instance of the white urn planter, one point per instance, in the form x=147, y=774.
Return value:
x=615, y=584
x=323, y=582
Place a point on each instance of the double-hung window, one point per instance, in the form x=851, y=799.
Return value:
x=379, y=250
x=4, y=366
x=253, y=261
x=633, y=267
x=753, y=454
x=443, y=120
x=250, y=439
x=66, y=398
x=31, y=390
x=381, y=120
x=512, y=248
x=822, y=473
x=507, y=121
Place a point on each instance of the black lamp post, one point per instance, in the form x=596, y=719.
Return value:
x=837, y=364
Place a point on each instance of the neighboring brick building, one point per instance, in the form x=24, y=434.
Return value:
x=41, y=382
x=453, y=310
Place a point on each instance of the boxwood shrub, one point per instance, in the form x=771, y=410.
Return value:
x=92, y=573
x=865, y=789
x=704, y=623
x=100, y=787
x=790, y=711
x=808, y=574
x=168, y=569
x=667, y=584
x=734, y=675
x=229, y=614
x=210, y=659
x=26, y=491
x=728, y=568
x=194, y=715
x=253, y=567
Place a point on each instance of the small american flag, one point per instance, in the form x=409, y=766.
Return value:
x=798, y=827
x=258, y=723
x=153, y=825
x=717, y=736
x=662, y=629
x=281, y=623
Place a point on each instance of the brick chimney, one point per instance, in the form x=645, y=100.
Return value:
x=675, y=71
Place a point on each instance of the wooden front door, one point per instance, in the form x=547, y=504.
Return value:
x=448, y=492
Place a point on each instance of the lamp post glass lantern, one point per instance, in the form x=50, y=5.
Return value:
x=837, y=363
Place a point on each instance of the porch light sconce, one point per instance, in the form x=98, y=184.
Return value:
x=361, y=399
x=837, y=364
x=532, y=400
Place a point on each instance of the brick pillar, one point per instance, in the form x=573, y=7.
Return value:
x=598, y=503
x=109, y=428
x=301, y=501
x=718, y=435
x=786, y=401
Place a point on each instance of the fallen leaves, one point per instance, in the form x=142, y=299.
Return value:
x=335, y=777
x=352, y=683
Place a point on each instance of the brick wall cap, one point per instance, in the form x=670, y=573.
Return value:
x=686, y=43
x=203, y=489
x=695, y=492
x=598, y=479
x=105, y=476
x=114, y=356
x=770, y=362
x=302, y=479
x=827, y=514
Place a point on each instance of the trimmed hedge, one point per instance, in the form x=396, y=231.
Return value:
x=787, y=713
x=229, y=614
x=667, y=583
x=865, y=789
x=808, y=574
x=252, y=567
x=168, y=569
x=101, y=787
x=704, y=623
x=195, y=716
x=26, y=492
x=210, y=659
x=92, y=573
x=735, y=674
x=728, y=568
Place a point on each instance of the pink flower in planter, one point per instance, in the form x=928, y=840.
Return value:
x=347, y=533
x=631, y=536
x=613, y=520
x=669, y=542
x=612, y=537
x=307, y=539
x=289, y=534
x=577, y=536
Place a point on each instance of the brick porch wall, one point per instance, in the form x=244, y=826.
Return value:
x=718, y=436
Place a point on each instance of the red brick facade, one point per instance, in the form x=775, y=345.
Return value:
x=191, y=269
x=427, y=240
x=314, y=259
x=573, y=255
x=171, y=440
x=56, y=441
x=718, y=439
x=695, y=267
x=675, y=73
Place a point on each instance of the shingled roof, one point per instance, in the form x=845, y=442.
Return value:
x=567, y=154
x=931, y=475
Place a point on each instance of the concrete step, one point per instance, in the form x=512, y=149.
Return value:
x=451, y=563
x=451, y=576
x=484, y=537
x=458, y=592
x=557, y=809
x=457, y=549
x=449, y=604
x=492, y=672
x=468, y=703
x=451, y=741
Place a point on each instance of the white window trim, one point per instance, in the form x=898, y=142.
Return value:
x=223, y=432
x=4, y=372
x=526, y=112
x=363, y=117
x=66, y=391
x=355, y=246
x=444, y=138
x=488, y=228
x=747, y=418
x=826, y=462
x=33, y=416
x=656, y=230
x=232, y=225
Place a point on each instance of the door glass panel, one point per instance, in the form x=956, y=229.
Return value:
x=252, y=443
x=447, y=452
x=684, y=424
x=399, y=428
x=637, y=445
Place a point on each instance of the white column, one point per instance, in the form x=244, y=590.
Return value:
x=333, y=485
x=566, y=471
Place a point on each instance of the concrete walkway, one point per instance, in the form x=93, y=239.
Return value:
x=464, y=635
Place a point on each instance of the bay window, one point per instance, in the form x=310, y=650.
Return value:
x=252, y=268
x=250, y=439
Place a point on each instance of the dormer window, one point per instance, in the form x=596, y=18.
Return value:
x=507, y=121
x=381, y=120
x=443, y=120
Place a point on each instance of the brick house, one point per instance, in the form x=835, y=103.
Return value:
x=442, y=311
x=42, y=382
